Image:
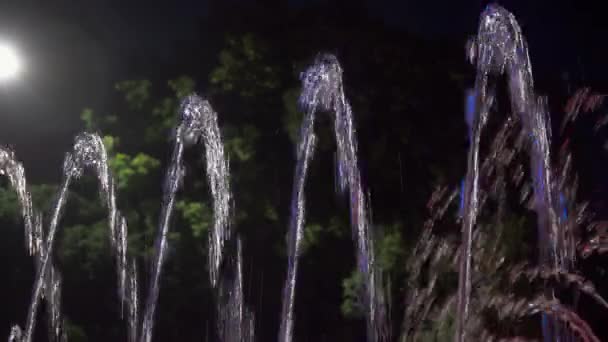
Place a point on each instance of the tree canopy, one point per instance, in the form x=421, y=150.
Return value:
x=406, y=94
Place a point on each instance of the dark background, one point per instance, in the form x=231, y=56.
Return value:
x=405, y=72
x=75, y=51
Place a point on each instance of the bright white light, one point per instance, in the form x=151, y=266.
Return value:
x=10, y=65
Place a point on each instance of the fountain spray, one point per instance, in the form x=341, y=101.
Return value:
x=501, y=48
x=322, y=90
x=88, y=152
x=199, y=123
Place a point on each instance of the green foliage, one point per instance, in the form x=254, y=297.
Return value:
x=164, y=111
x=136, y=92
x=315, y=233
x=128, y=168
x=75, y=333
x=165, y=118
x=390, y=255
x=293, y=117
x=43, y=196
x=9, y=206
x=134, y=169
x=254, y=88
x=198, y=215
x=240, y=142
x=10, y=210
x=110, y=143
x=182, y=86
x=311, y=236
x=270, y=213
x=93, y=122
x=86, y=246
x=338, y=227
x=87, y=117
x=351, y=293
x=245, y=68
x=390, y=251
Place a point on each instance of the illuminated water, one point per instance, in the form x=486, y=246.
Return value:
x=198, y=122
x=498, y=49
x=322, y=90
x=501, y=48
x=88, y=153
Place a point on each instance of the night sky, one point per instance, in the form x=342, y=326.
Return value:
x=75, y=51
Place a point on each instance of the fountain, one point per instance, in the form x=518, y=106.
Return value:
x=88, y=152
x=199, y=121
x=499, y=48
x=322, y=90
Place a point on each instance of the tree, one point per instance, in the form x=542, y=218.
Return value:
x=407, y=143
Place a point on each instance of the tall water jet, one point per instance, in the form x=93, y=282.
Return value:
x=235, y=321
x=322, y=90
x=295, y=233
x=173, y=180
x=498, y=48
x=93, y=154
x=198, y=122
x=14, y=171
x=34, y=237
x=218, y=176
x=88, y=152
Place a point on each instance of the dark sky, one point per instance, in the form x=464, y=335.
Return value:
x=76, y=50
x=563, y=35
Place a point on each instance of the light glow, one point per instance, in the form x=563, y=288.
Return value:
x=10, y=65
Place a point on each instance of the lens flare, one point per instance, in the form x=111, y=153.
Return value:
x=10, y=65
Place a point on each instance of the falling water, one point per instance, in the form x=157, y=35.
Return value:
x=88, y=152
x=13, y=169
x=198, y=122
x=173, y=181
x=295, y=233
x=322, y=90
x=15, y=172
x=500, y=47
x=236, y=322
x=218, y=177
x=350, y=178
